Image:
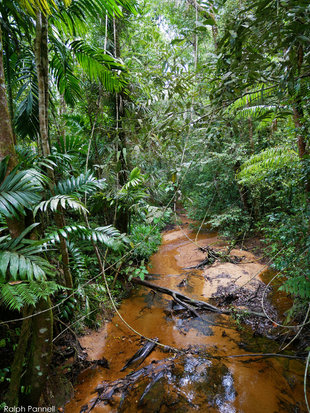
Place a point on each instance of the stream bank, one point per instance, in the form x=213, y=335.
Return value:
x=202, y=377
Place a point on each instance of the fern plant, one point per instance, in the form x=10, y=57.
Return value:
x=272, y=160
x=15, y=295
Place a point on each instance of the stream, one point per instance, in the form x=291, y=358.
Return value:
x=192, y=381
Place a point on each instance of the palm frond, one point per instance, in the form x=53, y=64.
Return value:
x=62, y=67
x=71, y=144
x=257, y=112
x=19, y=190
x=135, y=180
x=45, y=6
x=20, y=258
x=84, y=183
x=98, y=65
x=77, y=258
x=107, y=235
x=252, y=98
x=26, y=119
x=63, y=201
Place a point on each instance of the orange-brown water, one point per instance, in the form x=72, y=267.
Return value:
x=228, y=385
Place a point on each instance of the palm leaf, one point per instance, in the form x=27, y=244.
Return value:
x=108, y=235
x=98, y=65
x=63, y=201
x=84, y=183
x=19, y=190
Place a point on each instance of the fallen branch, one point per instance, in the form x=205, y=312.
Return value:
x=187, y=301
x=201, y=305
x=141, y=354
x=212, y=256
x=107, y=390
x=190, y=308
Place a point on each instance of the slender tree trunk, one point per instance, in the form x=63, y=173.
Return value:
x=40, y=353
x=6, y=132
x=301, y=129
x=60, y=222
x=122, y=218
x=41, y=56
x=12, y=396
x=250, y=123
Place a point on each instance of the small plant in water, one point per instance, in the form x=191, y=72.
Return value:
x=133, y=271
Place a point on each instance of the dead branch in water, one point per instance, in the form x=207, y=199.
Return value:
x=182, y=299
x=187, y=301
x=107, y=390
x=212, y=256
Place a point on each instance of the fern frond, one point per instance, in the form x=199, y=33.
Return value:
x=16, y=295
x=298, y=286
x=271, y=160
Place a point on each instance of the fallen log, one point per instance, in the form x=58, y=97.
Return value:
x=141, y=354
x=187, y=301
x=201, y=305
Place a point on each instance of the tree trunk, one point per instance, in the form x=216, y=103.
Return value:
x=12, y=396
x=40, y=353
x=122, y=216
x=6, y=132
x=60, y=222
x=41, y=57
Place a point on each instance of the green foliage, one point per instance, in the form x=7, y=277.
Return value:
x=63, y=201
x=20, y=258
x=267, y=163
x=18, y=190
x=16, y=295
x=108, y=235
x=145, y=240
x=132, y=271
x=84, y=183
x=232, y=223
x=299, y=286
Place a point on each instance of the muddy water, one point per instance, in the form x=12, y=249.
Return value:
x=195, y=382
